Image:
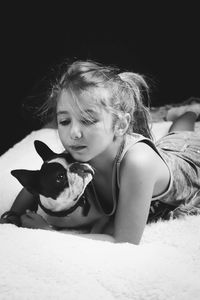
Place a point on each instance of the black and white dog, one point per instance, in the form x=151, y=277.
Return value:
x=60, y=187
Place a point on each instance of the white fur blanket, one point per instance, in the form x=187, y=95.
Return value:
x=38, y=264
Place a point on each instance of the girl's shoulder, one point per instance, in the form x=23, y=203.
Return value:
x=138, y=149
x=141, y=156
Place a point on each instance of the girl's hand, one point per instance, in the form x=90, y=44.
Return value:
x=35, y=221
x=3, y=221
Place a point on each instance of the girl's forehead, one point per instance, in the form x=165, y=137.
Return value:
x=86, y=100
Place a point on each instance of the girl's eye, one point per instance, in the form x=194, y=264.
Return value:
x=83, y=121
x=87, y=122
x=64, y=122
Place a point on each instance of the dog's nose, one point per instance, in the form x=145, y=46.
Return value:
x=81, y=169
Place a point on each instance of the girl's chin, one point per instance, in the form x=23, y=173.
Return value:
x=80, y=157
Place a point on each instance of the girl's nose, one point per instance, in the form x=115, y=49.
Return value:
x=75, y=132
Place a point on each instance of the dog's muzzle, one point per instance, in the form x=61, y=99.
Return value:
x=82, y=169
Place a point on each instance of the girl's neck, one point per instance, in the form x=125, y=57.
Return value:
x=103, y=163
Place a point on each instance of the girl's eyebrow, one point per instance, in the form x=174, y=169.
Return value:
x=87, y=111
x=91, y=112
x=62, y=112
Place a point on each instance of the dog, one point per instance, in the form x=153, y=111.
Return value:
x=63, y=193
x=61, y=189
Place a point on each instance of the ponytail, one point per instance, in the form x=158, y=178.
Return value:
x=136, y=91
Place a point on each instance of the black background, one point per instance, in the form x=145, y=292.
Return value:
x=158, y=40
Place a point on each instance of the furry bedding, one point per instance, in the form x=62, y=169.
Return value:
x=38, y=264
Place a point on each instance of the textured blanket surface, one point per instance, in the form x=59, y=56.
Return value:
x=38, y=264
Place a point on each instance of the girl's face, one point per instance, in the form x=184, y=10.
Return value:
x=83, y=138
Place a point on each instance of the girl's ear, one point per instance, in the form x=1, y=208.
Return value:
x=122, y=124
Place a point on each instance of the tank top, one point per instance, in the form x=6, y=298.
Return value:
x=180, y=153
x=128, y=142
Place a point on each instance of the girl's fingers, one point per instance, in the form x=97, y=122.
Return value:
x=30, y=213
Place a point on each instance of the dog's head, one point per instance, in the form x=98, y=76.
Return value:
x=60, y=182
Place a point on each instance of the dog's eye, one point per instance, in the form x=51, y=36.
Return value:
x=60, y=177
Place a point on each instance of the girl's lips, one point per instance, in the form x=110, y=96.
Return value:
x=77, y=148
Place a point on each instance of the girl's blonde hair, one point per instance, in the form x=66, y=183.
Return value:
x=117, y=92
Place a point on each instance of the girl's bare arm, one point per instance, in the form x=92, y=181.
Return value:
x=24, y=201
x=138, y=175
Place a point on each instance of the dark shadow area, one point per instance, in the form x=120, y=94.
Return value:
x=159, y=43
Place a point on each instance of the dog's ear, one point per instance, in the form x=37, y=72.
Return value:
x=43, y=150
x=27, y=178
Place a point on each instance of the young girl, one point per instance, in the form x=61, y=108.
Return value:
x=101, y=119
